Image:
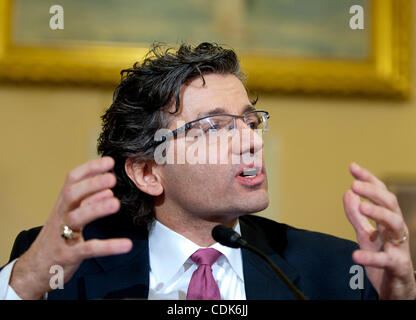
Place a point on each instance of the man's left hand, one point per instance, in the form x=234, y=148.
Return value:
x=384, y=250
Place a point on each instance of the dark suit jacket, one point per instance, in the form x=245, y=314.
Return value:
x=316, y=263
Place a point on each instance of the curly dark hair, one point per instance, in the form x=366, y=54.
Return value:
x=139, y=109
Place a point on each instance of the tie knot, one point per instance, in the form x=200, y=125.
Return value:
x=205, y=256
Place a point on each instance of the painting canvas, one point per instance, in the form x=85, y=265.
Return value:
x=284, y=45
x=282, y=27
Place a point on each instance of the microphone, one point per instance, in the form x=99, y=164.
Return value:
x=229, y=238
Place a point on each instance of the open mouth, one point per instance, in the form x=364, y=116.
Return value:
x=251, y=176
x=249, y=172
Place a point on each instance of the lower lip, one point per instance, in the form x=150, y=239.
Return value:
x=251, y=181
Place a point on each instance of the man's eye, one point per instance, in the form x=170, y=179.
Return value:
x=215, y=126
x=211, y=127
x=252, y=125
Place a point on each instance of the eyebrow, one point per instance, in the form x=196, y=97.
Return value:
x=247, y=108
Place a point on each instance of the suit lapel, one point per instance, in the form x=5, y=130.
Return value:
x=117, y=276
x=123, y=277
x=259, y=279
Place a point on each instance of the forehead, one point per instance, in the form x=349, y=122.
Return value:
x=219, y=92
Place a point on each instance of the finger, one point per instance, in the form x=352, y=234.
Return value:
x=391, y=221
x=100, y=248
x=97, y=197
x=90, y=168
x=351, y=206
x=81, y=216
x=382, y=197
x=77, y=192
x=378, y=259
x=365, y=175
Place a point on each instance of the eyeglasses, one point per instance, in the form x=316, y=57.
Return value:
x=255, y=120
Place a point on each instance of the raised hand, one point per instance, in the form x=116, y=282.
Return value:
x=85, y=196
x=384, y=250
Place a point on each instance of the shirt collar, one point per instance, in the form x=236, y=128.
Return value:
x=169, y=248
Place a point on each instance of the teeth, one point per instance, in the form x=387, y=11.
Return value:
x=250, y=172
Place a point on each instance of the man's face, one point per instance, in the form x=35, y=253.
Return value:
x=216, y=190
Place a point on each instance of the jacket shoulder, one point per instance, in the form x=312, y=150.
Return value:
x=292, y=238
x=23, y=241
x=323, y=261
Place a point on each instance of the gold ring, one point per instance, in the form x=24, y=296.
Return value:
x=67, y=233
x=397, y=242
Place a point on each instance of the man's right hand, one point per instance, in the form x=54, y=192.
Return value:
x=85, y=196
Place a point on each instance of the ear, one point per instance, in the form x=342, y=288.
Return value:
x=145, y=176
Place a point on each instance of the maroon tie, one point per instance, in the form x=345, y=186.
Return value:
x=202, y=285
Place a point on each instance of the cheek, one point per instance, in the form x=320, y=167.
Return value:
x=192, y=181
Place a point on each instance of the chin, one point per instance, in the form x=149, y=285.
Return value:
x=255, y=203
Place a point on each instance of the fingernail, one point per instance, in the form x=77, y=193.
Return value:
x=108, y=161
x=128, y=246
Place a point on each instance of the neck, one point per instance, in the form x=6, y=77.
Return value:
x=196, y=229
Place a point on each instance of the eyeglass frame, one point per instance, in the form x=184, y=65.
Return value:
x=188, y=125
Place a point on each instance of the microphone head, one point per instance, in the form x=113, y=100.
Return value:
x=226, y=236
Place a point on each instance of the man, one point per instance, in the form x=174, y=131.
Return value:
x=129, y=225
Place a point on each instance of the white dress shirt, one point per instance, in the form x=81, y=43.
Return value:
x=171, y=267
x=6, y=291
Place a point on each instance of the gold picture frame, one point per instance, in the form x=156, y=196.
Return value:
x=386, y=72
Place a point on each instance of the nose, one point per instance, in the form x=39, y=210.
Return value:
x=247, y=140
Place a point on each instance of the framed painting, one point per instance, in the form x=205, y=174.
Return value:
x=284, y=45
